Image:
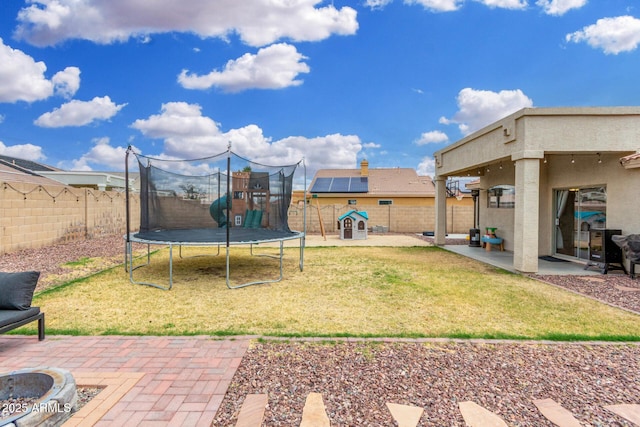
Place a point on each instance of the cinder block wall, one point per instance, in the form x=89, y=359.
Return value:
x=35, y=216
x=398, y=219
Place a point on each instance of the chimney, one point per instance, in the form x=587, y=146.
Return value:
x=364, y=168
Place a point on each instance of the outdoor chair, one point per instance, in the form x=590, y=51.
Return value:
x=16, y=293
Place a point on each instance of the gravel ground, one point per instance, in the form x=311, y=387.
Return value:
x=67, y=261
x=356, y=379
x=613, y=288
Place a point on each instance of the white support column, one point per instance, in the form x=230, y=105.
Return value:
x=441, y=210
x=527, y=213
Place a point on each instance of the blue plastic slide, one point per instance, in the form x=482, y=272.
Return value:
x=216, y=210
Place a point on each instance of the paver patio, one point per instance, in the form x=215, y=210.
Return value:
x=179, y=381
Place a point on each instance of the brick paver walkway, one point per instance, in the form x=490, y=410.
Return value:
x=180, y=381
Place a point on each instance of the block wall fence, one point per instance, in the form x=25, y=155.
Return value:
x=36, y=216
x=397, y=219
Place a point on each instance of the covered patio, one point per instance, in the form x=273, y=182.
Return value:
x=545, y=177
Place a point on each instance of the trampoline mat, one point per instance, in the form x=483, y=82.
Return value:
x=215, y=235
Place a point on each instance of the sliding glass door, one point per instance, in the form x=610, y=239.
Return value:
x=578, y=210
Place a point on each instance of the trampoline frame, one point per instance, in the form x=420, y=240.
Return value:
x=131, y=238
x=129, y=258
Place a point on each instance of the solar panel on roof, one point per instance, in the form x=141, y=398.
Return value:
x=322, y=185
x=359, y=185
x=340, y=185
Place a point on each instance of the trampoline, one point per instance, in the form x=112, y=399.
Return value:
x=221, y=200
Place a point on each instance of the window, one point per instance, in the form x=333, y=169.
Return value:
x=238, y=220
x=361, y=225
x=501, y=196
x=385, y=202
x=238, y=194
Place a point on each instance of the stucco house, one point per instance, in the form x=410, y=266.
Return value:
x=372, y=186
x=547, y=176
x=396, y=199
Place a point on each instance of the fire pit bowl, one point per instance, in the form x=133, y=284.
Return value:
x=37, y=397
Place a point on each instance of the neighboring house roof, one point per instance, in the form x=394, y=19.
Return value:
x=23, y=165
x=373, y=182
x=102, y=180
x=10, y=174
x=14, y=169
x=352, y=214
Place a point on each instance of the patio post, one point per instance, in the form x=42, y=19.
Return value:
x=527, y=209
x=441, y=210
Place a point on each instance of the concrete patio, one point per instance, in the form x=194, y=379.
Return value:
x=504, y=260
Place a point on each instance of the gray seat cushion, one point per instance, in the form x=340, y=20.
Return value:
x=16, y=289
x=8, y=317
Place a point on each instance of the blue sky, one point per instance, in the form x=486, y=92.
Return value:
x=334, y=82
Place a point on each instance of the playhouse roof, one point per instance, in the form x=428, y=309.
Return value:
x=352, y=213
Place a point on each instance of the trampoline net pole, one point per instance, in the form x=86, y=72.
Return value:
x=228, y=200
x=127, y=245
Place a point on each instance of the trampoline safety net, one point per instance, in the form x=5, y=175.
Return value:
x=217, y=192
x=210, y=201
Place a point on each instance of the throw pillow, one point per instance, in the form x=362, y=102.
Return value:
x=16, y=289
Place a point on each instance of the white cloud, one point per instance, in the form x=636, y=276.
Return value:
x=102, y=156
x=377, y=4
x=612, y=35
x=22, y=77
x=438, y=5
x=23, y=151
x=433, y=137
x=371, y=145
x=187, y=134
x=427, y=167
x=258, y=22
x=66, y=83
x=505, y=4
x=335, y=151
x=80, y=113
x=273, y=67
x=478, y=108
x=452, y=5
x=560, y=7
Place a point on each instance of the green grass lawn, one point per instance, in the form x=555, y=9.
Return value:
x=343, y=291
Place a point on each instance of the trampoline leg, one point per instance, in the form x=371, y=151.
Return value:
x=281, y=256
x=302, y=241
x=228, y=281
x=259, y=282
x=170, y=266
x=127, y=254
x=131, y=268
